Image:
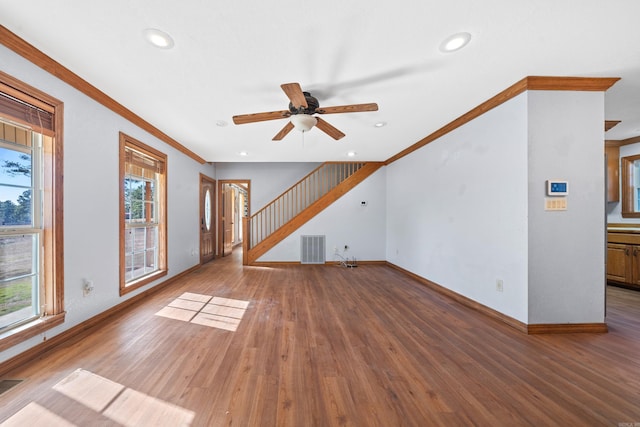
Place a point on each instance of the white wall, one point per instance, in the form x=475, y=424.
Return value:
x=567, y=248
x=268, y=180
x=345, y=222
x=614, y=209
x=91, y=192
x=468, y=209
x=457, y=209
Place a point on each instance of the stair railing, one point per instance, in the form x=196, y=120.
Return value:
x=297, y=198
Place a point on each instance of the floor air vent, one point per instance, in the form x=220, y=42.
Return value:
x=312, y=250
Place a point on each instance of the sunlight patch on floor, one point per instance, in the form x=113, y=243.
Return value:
x=102, y=391
x=123, y=405
x=35, y=415
x=206, y=310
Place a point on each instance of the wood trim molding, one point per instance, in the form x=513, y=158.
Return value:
x=31, y=53
x=582, y=84
x=528, y=83
x=18, y=335
x=610, y=124
x=531, y=329
x=567, y=328
x=220, y=215
x=612, y=143
x=39, y=349
x=628, y=141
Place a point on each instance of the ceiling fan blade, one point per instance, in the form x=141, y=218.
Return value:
x=325, y=127
x=353, y=108
x=295, y=95
x=283, y=132
x=260, y=117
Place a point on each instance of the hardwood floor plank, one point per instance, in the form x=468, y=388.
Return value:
x=330, y=346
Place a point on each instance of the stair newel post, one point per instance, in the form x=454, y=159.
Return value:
x=246, y=236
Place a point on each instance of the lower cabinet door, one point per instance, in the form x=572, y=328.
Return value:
x=619, y=262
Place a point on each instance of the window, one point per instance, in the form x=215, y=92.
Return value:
x=142, y=214
x=31, y=247
x=631, y=186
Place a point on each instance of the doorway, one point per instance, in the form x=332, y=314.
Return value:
x=207, y=226
x=233, y=205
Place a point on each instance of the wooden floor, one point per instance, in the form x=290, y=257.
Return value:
x=330, y=346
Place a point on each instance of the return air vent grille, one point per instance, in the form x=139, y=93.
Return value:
x=312, y=249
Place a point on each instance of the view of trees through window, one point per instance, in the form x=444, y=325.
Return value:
x=15, y=201
x=18, y=242
x=142, y=209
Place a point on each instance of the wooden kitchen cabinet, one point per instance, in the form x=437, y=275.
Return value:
x=623, y=256
x=613, y=173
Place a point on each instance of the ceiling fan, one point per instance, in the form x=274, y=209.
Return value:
x=302, y=110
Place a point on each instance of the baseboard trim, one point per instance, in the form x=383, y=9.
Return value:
x=567, y=328
x=529, y=329
x=275, y=264
x=522, y=327
x=39, y=349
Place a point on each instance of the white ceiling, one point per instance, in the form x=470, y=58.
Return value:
x=231, y=56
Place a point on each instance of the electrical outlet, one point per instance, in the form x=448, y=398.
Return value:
x=499, y=285
x=87, y=288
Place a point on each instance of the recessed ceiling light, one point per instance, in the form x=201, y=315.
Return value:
x=158, y=38
x=351, y=153
x=221, y=123
x=455, y=42
x=243, y=153
x=380, y=124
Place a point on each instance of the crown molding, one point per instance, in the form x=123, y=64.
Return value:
x=590, y=84
x=37, y=57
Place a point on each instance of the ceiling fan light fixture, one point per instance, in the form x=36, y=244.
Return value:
x=303, y=122
x=158, y=38
x=455, y=42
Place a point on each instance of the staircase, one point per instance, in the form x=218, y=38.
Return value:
x=301, y=202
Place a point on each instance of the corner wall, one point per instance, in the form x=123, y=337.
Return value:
x=457, y=209
x=566, y=248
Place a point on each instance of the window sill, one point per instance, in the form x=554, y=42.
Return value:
x=17, y=335
x=630, y=214
x=132, y=286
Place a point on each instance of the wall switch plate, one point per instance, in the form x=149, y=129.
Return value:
x=555, y=204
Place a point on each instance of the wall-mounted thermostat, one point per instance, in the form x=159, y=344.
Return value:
x=557, y=188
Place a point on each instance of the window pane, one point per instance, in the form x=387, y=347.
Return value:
x=150, y=262
x=137, y=265
x=141, y=252
x=15, y=167
x=18, y=279
x=15, y=188
x=139, y=239
x=151, y=237
x=128, y=241
x=128, y=269
x=207, y=209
